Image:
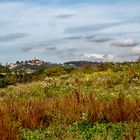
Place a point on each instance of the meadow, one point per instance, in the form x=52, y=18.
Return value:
x=86, y=103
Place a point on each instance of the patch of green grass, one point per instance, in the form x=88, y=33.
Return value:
x=37, y=134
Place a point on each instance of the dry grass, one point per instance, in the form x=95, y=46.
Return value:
x=17, y=114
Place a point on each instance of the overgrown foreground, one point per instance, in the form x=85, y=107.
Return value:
x=100, y=105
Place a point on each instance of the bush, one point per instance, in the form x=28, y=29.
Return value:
x=10, y=79
x=88, y=69
x=3, y=83
x=23, y=77
x=55, y=71
x=101, y=67
x=117, y=68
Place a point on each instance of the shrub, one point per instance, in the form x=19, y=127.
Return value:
x=55, y=71
x=117, y=68
x=101, y=67
x=88, y=69
x=3, y=83
x=10, y=79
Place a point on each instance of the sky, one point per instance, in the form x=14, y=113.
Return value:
x=69, y=30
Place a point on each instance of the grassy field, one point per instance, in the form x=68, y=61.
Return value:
x=82, y=105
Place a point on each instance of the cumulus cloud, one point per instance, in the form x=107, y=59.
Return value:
x=97, y=57
x=136, y=51
x=132, y=53
x=12, y=36
x=125, y=43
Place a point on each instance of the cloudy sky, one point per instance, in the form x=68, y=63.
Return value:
x=64, y=30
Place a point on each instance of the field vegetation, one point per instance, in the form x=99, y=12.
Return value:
x=99, y=102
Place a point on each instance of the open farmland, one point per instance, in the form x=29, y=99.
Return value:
x=86, y=103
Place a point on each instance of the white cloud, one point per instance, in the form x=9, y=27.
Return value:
x=125, y=43
x=136, y=51
x=97, y=57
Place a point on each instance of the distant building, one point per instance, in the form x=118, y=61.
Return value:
x=12, y=66
x=33, y=62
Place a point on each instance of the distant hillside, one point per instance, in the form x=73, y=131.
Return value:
x=34, y=64
x=80, y=63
